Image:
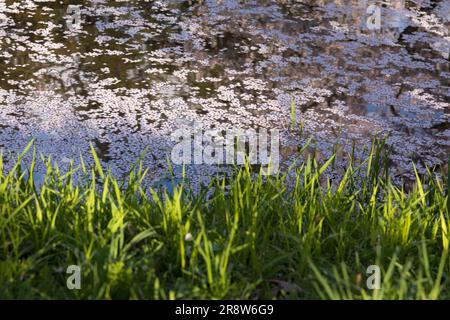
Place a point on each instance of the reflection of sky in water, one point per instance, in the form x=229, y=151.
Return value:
x=137, y=71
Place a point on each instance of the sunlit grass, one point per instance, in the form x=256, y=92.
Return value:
x=246, y=237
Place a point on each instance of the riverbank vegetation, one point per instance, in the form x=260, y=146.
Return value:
x=246, y=237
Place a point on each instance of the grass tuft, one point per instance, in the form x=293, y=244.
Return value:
x=247, y=237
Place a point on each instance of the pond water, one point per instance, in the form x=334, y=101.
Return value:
x=135, y=71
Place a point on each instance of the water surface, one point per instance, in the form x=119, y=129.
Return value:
x=138, y=70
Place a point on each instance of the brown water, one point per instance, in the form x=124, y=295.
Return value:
x=138, y=70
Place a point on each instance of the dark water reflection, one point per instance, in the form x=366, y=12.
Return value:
x=138, y=70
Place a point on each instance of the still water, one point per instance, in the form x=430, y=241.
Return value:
x=132, y=72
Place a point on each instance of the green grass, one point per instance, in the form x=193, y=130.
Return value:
x=248, y=237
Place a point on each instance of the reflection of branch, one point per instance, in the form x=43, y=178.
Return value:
x=394, y=112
